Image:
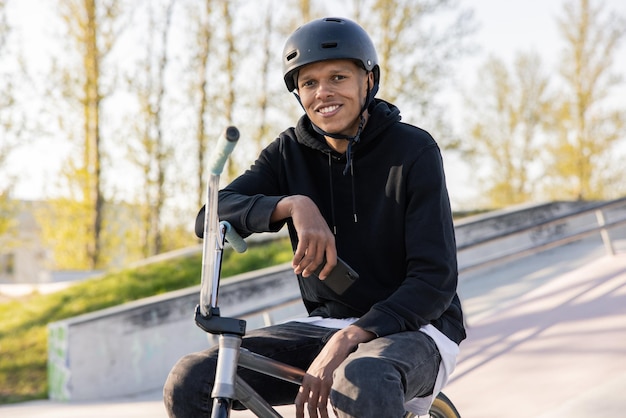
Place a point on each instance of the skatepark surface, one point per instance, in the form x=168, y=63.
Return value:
x=546, y=339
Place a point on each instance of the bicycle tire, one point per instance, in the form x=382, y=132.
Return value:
x=442, y=407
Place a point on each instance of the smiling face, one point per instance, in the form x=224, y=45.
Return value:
x=332, y=94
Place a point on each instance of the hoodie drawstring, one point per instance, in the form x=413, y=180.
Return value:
x=332, y=192
x=349, y=165
x=353, y=193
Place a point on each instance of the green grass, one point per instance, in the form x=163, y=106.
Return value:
x=23, y=332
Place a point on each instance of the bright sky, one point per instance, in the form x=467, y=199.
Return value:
x=506, y=28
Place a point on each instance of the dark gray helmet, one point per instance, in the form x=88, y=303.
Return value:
x=325, y=39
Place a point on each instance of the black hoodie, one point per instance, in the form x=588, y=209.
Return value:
x=390, y=213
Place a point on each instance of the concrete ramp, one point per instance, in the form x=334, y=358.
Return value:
x=546, y=347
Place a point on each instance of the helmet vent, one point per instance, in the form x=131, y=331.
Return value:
x=328, y=45
x=292, y=55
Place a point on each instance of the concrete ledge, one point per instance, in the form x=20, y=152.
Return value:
x=489, y=237
x=477, y=228
x=130, y=349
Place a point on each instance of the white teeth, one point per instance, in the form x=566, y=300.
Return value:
x=328, y=109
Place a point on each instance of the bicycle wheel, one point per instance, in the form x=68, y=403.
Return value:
x=442, y=407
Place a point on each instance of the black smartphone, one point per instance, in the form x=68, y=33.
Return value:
x=340, y=278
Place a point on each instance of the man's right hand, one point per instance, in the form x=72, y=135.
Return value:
x=315, y=239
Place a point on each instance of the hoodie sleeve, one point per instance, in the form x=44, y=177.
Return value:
x=429, y=287
x=248, y=202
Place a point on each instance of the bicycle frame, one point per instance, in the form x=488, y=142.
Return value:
x=227, y=386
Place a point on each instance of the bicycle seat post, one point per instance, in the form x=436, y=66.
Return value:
x=225, y=373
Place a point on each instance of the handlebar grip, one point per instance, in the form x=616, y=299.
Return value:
x=234, y=239
x=225, y=145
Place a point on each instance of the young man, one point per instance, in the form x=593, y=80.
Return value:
x=350, y=180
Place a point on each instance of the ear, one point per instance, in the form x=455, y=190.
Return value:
x=370, y=79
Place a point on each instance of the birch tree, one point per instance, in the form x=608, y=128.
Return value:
x=92, y=28
x=231, y=57
x=271, y=112
x=505, y=133
x=150, y=153
x=264, y=73
x=417, y=42
x=199, y=17
x=6, y=125
x=586, y=126
x=212, y=88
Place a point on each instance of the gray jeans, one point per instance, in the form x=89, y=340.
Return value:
x=374, y=381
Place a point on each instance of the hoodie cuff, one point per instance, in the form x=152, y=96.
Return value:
x=258, y=218
x=378, y=322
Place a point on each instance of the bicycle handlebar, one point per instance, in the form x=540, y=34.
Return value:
x=223, y=148
x=225, y=145
x=234, y=239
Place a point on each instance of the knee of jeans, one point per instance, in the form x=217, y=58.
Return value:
x=187, y=384
x=366, y=375
x=367, y=387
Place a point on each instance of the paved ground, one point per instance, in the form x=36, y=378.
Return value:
x=558, y=349
x=546, y=338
